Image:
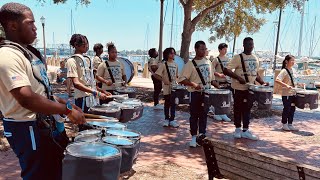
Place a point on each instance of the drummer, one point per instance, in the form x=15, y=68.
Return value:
x=81, y=76
x=196, y=84
x=239, y=83
x=111, y=73
x=286, y=79
x=219, y=63
x=97, y=60
x=168, y=74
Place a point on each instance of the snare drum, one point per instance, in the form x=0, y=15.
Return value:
x=91, y=161
x=128, y=150
x=106, y=110
x=217, y=101
x=129, y=134
x=131, y=109
x=181, y=94
x=107, y=125
x=262, y=96
x=126, y=90
x=307, y=99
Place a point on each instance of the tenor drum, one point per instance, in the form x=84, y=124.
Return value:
x=307, y=99
x=262, y=96
x=126, y=90
x=106, y=110
x=91, y=161
x=217, y=101
x=129, y=134
x=181, y=94
x=128, y=149
x=131, y=109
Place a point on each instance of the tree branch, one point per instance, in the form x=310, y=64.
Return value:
x=203, y=13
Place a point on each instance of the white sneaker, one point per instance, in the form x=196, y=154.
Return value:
x=248, y=134
x=193, y=142
x=166, y=123
x=174, y=124
x=237, y=133
x=285, y=127
x=292, y=128
x=225, y=118
x=217, y=117
x=158, y=107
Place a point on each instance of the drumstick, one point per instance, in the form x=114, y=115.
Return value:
x=101, y=120
x=95, y=116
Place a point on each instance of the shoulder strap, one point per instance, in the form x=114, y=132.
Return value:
x=290, y=77
x=169, y=76
x=221, y=65
x=244, y=68
x=85, y=56
x=199, y=73
x=29, y=57
x=110, y=73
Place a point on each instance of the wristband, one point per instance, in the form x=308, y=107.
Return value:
x=94, y=93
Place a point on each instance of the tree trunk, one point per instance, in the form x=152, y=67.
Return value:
x=188, y=29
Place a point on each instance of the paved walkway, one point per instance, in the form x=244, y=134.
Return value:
x=160, y=145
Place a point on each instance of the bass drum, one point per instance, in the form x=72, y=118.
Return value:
x=180, y=63
x=128, y=68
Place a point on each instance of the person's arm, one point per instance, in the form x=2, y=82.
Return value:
x=187, y=82
x=279, y=79
x=233, y=64
x=100, y=73
x=215, y=84
x=40, y=104
x=108, y=83
x=260, y=80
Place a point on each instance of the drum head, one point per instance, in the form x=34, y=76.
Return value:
x=118, y=141
x=217, y=91
x=132, y=103
x=180, y=63
x=107, y=109
x=125, y=89
x=123, y=133
x=90, y=132
x=303, y=91
x=128, y=68
x=262, y=88
x=86, y=138
x=108, y=125
x=92, y=150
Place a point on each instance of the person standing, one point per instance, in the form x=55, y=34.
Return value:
x=97, y=60
x=111, y=73
x=245, y=66
x=198, y=76
x=219, y=63
x=286, y=79
x=168, y=74
x=62, y=77
x=31, y=122
x=153, y=65
x=79, y=72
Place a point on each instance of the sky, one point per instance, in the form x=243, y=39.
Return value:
x=134, y=24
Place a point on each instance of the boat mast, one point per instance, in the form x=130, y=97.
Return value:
x=301, y=29
x=277, y=41
x=172, y=23
x=71, y=30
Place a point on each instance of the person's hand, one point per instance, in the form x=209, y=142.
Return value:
x=266, y=84
x=196, y=86
x=107, y=93
x=221, y=75
x=76, y=117
x=103, y=96
x=108, y=83
x=76, y=108
x=166, y=82
x=241, y=80
x=289, y=87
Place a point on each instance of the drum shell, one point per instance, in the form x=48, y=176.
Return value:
x=116, y=114
x=129, y=155
x=220, y=102
x=82, y=168
x=131, y=94
x=183, y=96
x=264, y=100
x=131, y=114
x=303, y=101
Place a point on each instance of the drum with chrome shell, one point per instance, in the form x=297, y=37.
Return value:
x=91, y=161
x=217, y=101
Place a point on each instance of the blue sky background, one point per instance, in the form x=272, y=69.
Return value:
x=134, y=24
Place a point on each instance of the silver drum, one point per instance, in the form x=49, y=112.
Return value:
x=101, y=160
x=217, y=101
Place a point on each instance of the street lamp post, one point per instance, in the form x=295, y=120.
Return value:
x=161, y=30
x=42, y=19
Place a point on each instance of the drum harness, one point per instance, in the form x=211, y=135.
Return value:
x=110, y=73
x=43, y=120
x=199, y=73
x=222, y=68
x=168, y=72
x=290, y=77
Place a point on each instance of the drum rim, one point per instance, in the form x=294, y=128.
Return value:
x=132, y=68
x=126, y=130
x=226, y=91
x=121, y=137
x=125, y=126
x=84, y=135
x=80, y=132
x=90, y=157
